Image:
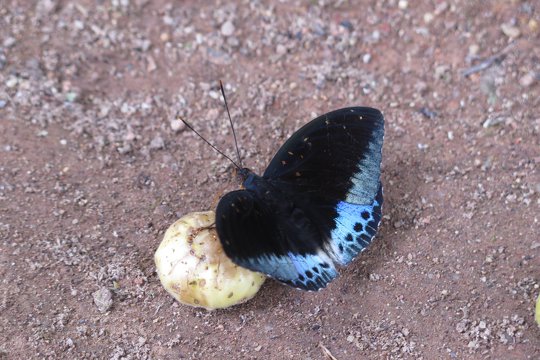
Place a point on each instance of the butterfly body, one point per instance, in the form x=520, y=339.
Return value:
x=317, y=205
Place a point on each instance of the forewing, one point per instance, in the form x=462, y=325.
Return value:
x=337, y=157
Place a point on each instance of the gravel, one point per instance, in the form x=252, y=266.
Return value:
x=95, y=166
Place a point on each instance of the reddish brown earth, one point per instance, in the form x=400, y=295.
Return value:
x=92, y=172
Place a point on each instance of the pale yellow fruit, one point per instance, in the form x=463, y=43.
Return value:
x=537, y=314
x=194, y=269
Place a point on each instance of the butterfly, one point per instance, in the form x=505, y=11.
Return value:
x=317, y=205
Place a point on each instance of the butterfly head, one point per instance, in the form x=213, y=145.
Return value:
x=243, y=173
x=246, y=177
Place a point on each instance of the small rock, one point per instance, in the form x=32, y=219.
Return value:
x=177, y=125
x=164, y=37
x=375, y=35
x=403, y=4
x=142, y=45
x=281, y=49
x=428, y=17
x=527, y=80
x=9, y=42
x=441, y=71
x=157, y=143
x=493, y=121
x=78, y=25
x=124, y=149
x=398, y=224
x=12, y=82
x=461, y=326
x=473, y=49
x=3, y=103
x=151, y=64
x=103, y=299
x=366, y=58
x=45, y=7
x=533, y=25
x=227, y=28
x=233, y=41
x=511, y=31
x=71, y=96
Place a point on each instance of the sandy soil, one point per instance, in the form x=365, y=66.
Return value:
x=94, y=168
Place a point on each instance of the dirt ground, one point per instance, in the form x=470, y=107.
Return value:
x=94, y=168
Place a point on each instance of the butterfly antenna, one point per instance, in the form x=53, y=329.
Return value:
x=230, y=120
x=208, y=142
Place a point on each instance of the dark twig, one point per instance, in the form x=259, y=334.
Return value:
x=487, y=63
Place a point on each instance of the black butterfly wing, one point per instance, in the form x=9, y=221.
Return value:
x=335, y=156
x=318, y=202
x=269, y=235
x=331, y=167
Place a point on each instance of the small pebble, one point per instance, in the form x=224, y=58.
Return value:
x=3, y=103
x=511, y=31
x=493, y=121
x=164, y=37
x=78, y=25
x=103, y=299
x=177, y=125
x=12, y=82
x=403, y=4
x=151, y=64
x=428, y=17
x=9, y=42
x=366, y=58
x=533, y=25
x=126, y=148
x=71, y=96
x=281, y=49
x=473, y=49
x=157, y=143
x=142, y=44
x=227, y=29
x=527, y=80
